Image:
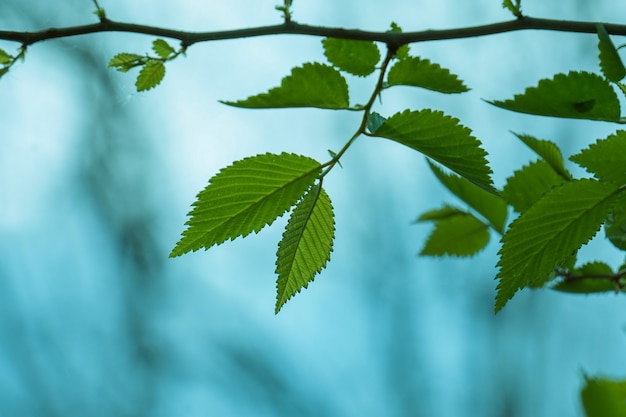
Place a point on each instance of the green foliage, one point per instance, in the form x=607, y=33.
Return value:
x=606, y=158
x=529, y=183
x=604, y=397
x=311, y=85
x=441, y=138
x=150, y=75
x=550, y=231
x=548, y=151
x=403, y=51
x=515, y=8
x=356, y=57
x=576, y=95
x=306, y=244
x=455, y=233
x=615, y=227
x=610, y=61
x=578, y=284
x=245, y=197
x=418, y=72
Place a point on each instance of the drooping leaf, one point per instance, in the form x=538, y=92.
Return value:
x=245, y=197
x=125, y=61
x=529, y=183
x=587, y=285
x=306, y=244
x=150, y=75
x=311, y=85
x=491, y=206
x=605, y=159
x=515, y=8
x=615, y=227
x=549, y=232
x=162, y=48
x=603, y=397
x=403, y=51
x=374, y=121
x=356, y=57
x=418, y=72
x=460, y=234
x=610, y=62
x=547, y=150
x=441, y=138
x=576, y=95
x=439, y=214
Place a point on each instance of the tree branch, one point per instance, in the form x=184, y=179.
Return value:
x=293, y=28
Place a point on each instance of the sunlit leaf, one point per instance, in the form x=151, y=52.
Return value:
x=549, y=232
x=460, y=234
x=513, y=7
x=587, y=285
x=5, y=58
x=610, y=61
x=441, y=138
x=306, y=244
x=311, y=85
x=245, y=197
x=418, y=72
x=605, y=159
x=125, y=61
x=577, y=95
x=547, y=150
x=491, y=206
x=162, y=48
x=529, y=183
x=150, y=75
x=603, y=397
x=356, y=57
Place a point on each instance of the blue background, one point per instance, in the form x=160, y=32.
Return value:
x=96, y=181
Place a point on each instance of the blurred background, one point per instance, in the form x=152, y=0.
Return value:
x=96, y=181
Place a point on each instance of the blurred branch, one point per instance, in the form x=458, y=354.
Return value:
x=290, y=27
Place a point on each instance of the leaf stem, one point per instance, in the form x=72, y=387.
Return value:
x=615, y=278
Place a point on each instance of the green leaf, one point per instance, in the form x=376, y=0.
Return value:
x=550, y=232
x=374, y=121
x=605, y=159
x=440, y=214
x=5, y=58
x=460, y=234
x=245, y=197
x=422, y=73
x=610, y=62
x=492, y=207
x=356, y=57
x=577, y=95
x=306, y=244
x=515, y=8
x=603, y=397
x=441, y=138
x=587, y=285
x=403, y=51
x=615, y=227
x=547, y=150
x=150, y=75
x=528, y=184
x=125, y=61
x=311, y=85
x=162, y=48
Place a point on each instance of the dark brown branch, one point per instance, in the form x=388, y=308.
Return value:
x=293, y=28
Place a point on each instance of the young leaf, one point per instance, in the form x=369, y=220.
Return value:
x=125, y=61
x=459, y=234
x=492, y=207
x=528, y=184
x=602, y=397
x=306, y=244
x=549, y=232
x=403, y=51
x=441, y=138
x=547, y=150
x=615, y=227
x=162, y=48
x=515, y=8
x=311, y=85
x=610, y=62
x=588, y=285
x=356, y=57
x=245, y=197
x=5, y=58
x=577, y=95
x=150, y=75
x=605, y=159
x=422, y=73
x=374, y=121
